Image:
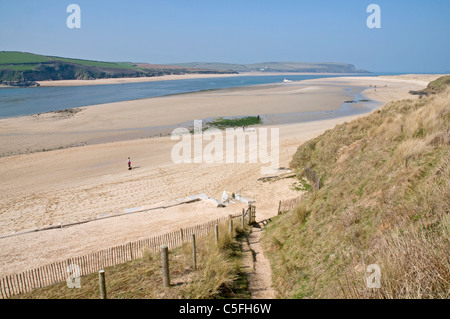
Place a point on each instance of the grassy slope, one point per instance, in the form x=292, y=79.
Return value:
x=440, y=84
x=30, y=60
x=385, y=201
x=20, y=66
x=123, y=65
x=218, y=274
x=8, y=57
x=434, y=87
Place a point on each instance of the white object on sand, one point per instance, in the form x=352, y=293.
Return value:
x=224, y=197
x=243, y=199
x=206, y=197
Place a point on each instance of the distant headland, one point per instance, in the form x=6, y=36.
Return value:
x=27, y=69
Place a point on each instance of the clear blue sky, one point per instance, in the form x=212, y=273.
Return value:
x=414, y=35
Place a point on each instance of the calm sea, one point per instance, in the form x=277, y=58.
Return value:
x=27, y=101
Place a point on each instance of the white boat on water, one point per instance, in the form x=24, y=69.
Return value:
x=286, y=81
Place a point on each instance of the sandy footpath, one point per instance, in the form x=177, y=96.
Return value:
x=80, y=183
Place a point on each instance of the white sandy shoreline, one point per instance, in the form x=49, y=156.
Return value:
x=63, y=83
x=168, y=78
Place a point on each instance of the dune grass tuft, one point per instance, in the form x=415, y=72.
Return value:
x=218, y=274
x=384, y=201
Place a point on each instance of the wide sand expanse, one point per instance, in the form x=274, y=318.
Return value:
x=142, y=118
x=152, y=117
x=158, y=78
x=132, y=80
x=81, y=183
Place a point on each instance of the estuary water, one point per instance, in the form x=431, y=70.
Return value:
x=28, y=101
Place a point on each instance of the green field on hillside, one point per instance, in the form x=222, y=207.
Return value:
x=18, y=67
x=7, y=57
x=25, y=69
x=23, y=61
x=99, y=64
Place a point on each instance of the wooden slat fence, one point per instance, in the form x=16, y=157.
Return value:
x=58, y=272
x=249, y=214
x=313, y=177
x=288, y=204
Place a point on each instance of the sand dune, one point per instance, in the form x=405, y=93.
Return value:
x=80, y=183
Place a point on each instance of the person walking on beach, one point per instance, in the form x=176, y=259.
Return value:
x=129, y=164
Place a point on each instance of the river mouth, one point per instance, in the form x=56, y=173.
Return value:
x=276, y=105
x=358, y=105
x=15, y=102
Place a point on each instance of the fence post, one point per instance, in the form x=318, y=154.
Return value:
x=165, y=265
x=131, y=251
x=182, y=235
x=253, y=212
x=101, y=275
x=230, y=225
x=216, y=233
x=194, y=252
x=279, y=208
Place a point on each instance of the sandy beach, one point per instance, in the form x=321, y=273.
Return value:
x=82, y=182
x=132, y=80
x=160, y=78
